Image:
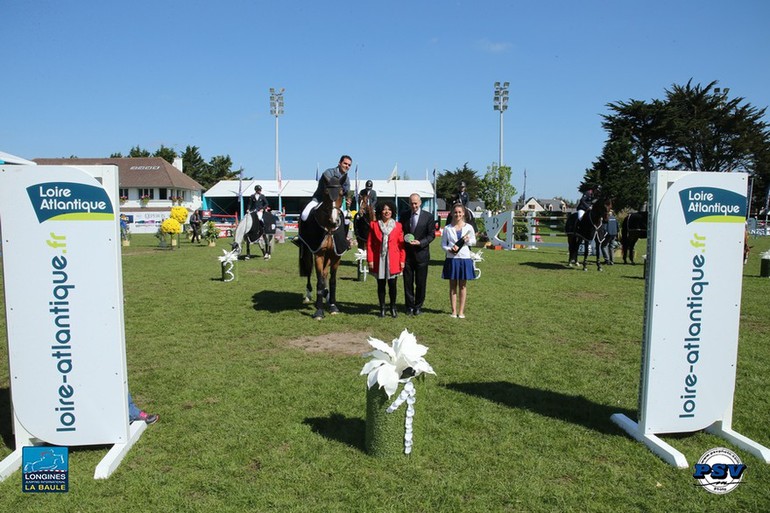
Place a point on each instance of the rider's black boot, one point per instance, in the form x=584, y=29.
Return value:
x=393, y=312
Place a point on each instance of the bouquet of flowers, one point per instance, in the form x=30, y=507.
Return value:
x=390, y=365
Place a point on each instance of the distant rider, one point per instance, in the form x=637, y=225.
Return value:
x=257, y=202
x=585, y=203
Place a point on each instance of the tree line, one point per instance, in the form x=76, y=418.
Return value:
x=692, y=128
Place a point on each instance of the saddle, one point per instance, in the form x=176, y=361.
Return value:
x=256, y=231
x=312, y=235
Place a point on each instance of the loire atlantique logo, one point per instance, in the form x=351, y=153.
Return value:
x=65, y=201
x=712, y=205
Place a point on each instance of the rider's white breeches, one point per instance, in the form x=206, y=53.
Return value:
x=310, y=206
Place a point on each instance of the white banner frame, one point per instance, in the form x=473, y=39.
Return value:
x=692, y=310
x=63, y=284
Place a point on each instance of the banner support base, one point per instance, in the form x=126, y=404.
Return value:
x=653, y=443
x=719, y=429
x=114, y=456
x=10, y=464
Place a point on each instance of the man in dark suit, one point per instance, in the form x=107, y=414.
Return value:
x=419, y=232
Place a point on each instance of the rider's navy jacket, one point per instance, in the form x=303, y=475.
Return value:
x=333, y=172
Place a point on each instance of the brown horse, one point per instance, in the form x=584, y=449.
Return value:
x=323, y=243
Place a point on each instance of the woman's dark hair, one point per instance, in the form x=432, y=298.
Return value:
x=381, y=205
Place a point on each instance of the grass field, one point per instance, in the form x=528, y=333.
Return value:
x=262, y=408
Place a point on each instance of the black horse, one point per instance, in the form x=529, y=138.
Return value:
x=323, y=241
x=633, y=228
x=589, y=229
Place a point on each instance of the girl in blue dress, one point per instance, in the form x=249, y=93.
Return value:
x=457, y=239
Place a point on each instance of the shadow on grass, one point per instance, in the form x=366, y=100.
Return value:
x=276, y=301
x=6, y=422
x=337, y=427
x=569, y=408
x=546, y=265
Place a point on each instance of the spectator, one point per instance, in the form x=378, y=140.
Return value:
x=385, y=254
x=458, y=267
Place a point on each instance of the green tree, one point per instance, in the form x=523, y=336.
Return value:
x=620, y=174
x=495, y=189
x=694, y=127
x=137, y=152
x=218, y=168
x=448, y=182
x=710, y=132
x=117, y=155
x=193, y=164
x=643, y=125
x=167, y=154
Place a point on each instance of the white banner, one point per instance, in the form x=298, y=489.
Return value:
x=695, y=248
x=64, y=302
x=146, y=222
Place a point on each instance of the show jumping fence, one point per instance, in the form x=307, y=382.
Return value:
x=546, y=230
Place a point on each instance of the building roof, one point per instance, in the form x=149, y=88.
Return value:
x=306, y=188
x=136, y=172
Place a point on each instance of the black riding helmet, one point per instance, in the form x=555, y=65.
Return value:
x=258, y=188
x=369, y=184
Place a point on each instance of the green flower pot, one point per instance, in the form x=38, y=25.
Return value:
x=384, y=431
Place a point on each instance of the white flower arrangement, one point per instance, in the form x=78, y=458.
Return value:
x=228, y=264
x=360, y=255
x=229, y=256
x=398, y=363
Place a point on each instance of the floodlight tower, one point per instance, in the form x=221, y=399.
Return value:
x=276, y=109
x=501, y=104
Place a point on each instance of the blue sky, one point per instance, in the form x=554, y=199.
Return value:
x=399, y=82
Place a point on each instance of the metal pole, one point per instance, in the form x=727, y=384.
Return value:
x=501, y=139
x=276, y=109
x=276, y=147
x=500, y=103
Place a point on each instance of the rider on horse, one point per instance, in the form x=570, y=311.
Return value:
x=371, y=194
x=257, y=202
x=586, y=202
x=341, y=173
x=462, y=195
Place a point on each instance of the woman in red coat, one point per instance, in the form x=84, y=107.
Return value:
x=385, y=253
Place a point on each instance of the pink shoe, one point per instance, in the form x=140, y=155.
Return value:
x=149, y=418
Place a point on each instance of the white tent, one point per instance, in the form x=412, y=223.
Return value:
x=306, y=188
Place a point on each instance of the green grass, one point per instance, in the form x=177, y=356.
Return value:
x=517, y=418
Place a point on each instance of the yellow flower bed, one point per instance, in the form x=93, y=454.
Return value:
x=171, y=225
x=179, y=214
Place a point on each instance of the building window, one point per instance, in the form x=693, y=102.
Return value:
x=123, y=193
x=147, y=193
